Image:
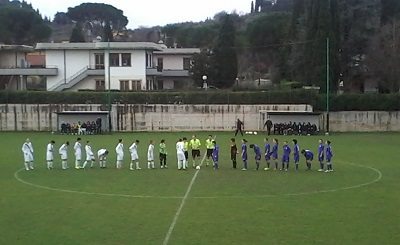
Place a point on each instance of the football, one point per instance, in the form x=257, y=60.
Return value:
x=197, y=167
x=255, y=132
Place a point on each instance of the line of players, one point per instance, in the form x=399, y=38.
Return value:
x=182, y=151
x=325, y=152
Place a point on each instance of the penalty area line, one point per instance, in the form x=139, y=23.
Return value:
x=178, y=212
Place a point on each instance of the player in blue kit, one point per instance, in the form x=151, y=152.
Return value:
x=215, y=155
x=267, y=155
x=274, y=153
x=296, y=154
x=244, y=154
x=309, y=155
x=257, y=152
x=329, y=155
x=321, y=153
x=285, y=156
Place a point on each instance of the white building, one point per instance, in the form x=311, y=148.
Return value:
x=126, y=66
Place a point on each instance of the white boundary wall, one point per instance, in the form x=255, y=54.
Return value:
x=43, y=117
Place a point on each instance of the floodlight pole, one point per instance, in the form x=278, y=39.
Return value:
x=109, y=87
x=327, y=84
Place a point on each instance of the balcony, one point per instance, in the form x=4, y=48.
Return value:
x=167, y=73
x=28, y=71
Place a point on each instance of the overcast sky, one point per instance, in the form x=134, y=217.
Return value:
x=154, y=12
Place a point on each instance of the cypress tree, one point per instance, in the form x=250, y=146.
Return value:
x=225, y=57
x=77, y=35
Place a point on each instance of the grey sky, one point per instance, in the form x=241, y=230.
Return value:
x=154, y=12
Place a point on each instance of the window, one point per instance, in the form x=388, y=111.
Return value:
x=99, y=61
x=100, y=85
x=114, y=59
x=160, y=64
x=126, y=59
x=186, y=64
x=124, y=85
x=136, y=85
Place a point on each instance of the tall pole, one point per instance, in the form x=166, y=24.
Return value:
x=327, y=84
x=109, y=87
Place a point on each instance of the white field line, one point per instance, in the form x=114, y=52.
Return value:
x=178, y=212
x=377, y=179
x=85, y=192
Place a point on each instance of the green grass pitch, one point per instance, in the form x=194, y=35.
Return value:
x=357, y=204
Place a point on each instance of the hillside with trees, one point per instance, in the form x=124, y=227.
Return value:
x=278, y=41
x=21, y=24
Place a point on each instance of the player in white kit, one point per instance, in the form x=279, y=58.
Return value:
x=150, y=155
x=120, y=153
x=78, y=153
x=50, y=154
x=27, y=149
x=89, y=155
x=102, y=156
x=63, y=151
x=133, y=149
x=180, y=154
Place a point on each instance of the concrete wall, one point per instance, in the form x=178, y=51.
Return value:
x=364, y=121
x=188, y=117
x=143, y=117
x=87, y=83
x=171, y=61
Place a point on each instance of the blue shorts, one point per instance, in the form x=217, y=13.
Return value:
x=285, y=159
x=258, y=157
x=297, y=158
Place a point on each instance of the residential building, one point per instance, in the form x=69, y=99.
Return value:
x=172, y=68
x=123, y=66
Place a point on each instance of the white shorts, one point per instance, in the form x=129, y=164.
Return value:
x=150, y=158
x=120, y=157
x=63, y=156
x=89, y=157
x=78, y=157
x=28, y=157
x=134, y=157
x=49, y=157
x=181, y=156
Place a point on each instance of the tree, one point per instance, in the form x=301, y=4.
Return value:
x=61, y=18
x=20, y=24
x=77, y=35
x=265, y=34
x=201, y=66
x=313, y=23
x=225, y=58
x=99, y=13
x=108, y=35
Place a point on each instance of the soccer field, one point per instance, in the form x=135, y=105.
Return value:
x=357, y=204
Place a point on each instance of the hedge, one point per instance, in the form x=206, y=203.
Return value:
x=196, y=97
x=345, y=102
